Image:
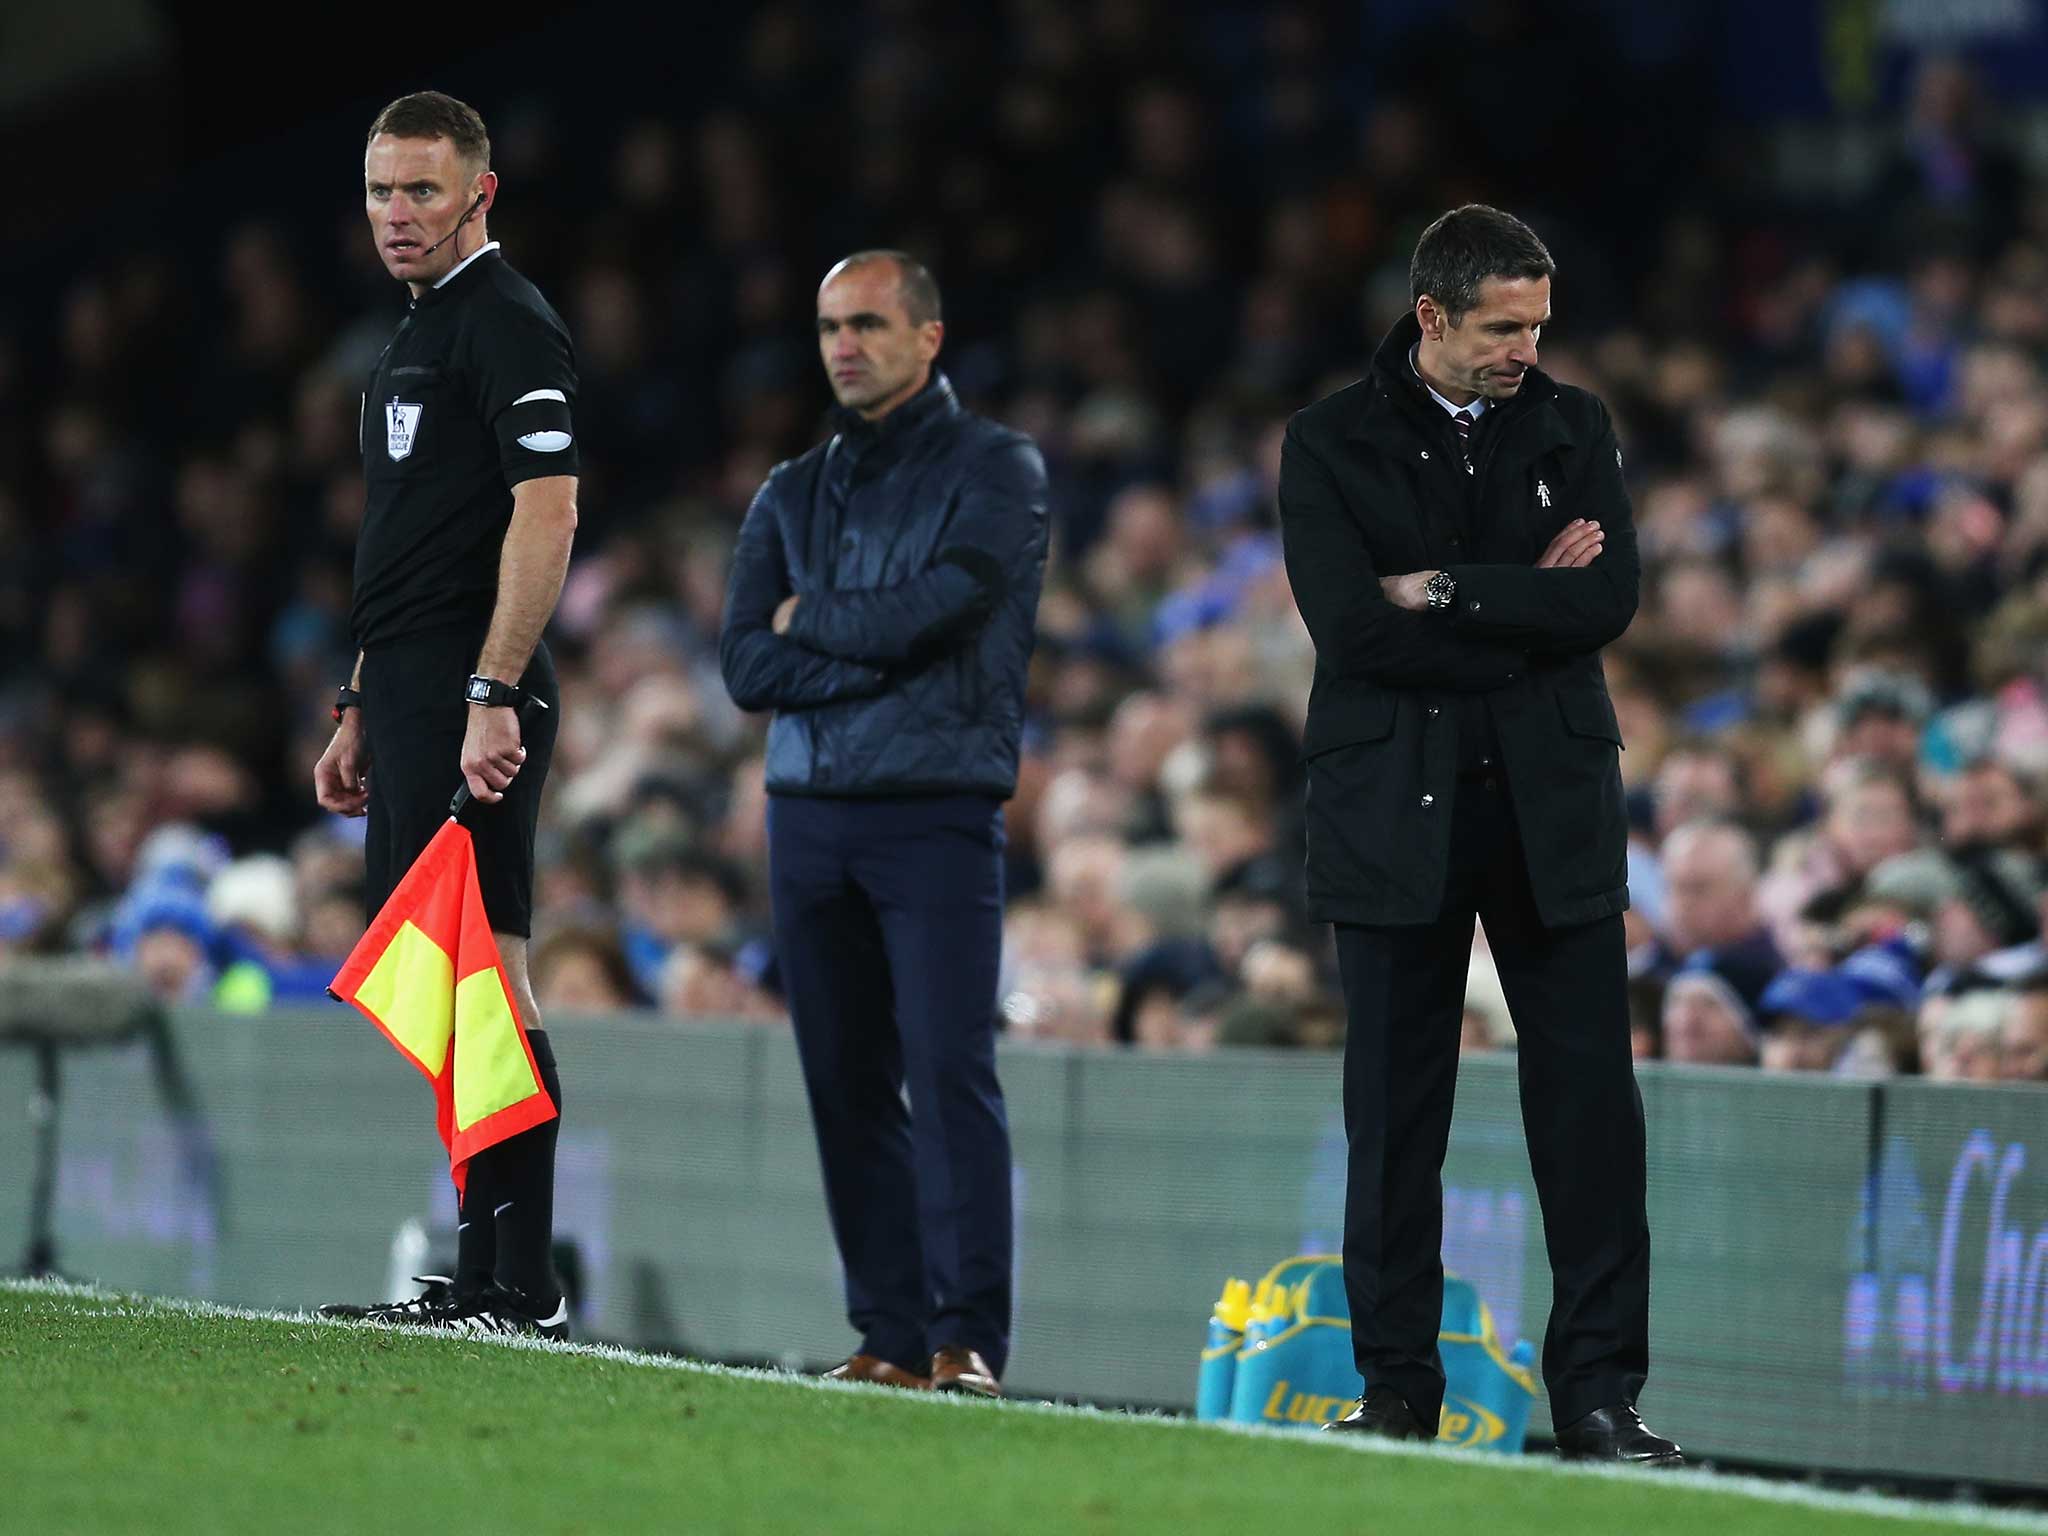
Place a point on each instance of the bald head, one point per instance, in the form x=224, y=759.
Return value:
x=878, y=330
x=916, y=289
x=1710, y=874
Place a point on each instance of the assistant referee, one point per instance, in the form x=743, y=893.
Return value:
x=469, y=468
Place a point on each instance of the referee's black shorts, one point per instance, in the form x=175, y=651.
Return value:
x=414, y=718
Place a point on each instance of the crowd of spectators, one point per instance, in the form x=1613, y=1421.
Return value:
x=1837, y=439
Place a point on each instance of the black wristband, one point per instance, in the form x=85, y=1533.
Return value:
x=346, y=699
x=491, y=693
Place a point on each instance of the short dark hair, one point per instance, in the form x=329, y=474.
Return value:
x=915, y=284
x=1461, y=250
x=431, y=115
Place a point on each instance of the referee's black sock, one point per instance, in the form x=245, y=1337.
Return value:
x=476, y=1233
x=523, y=1184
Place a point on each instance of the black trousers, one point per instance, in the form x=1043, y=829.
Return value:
x=414, y=718
x=1404, y=992
x=889, y=929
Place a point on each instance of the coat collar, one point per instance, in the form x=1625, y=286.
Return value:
x=1396, y=404
x=935, y=401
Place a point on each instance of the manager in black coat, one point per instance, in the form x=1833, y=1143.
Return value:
x=1458, y=537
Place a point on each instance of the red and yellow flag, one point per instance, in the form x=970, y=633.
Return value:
x=428, y=974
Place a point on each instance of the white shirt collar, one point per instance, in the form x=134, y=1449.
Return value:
x=1475, y=410
x=489, y=245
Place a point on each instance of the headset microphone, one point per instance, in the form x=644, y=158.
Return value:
x=473, y=207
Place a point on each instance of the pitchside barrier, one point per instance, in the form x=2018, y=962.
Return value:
x=1846, y=1275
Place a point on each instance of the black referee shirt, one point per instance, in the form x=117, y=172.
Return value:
x=474, y=394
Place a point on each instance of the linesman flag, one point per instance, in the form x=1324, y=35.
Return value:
x=428, y=975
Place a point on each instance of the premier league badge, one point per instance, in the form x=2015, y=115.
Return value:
x=401, y=426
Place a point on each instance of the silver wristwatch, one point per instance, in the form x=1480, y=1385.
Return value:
x=1440, y=589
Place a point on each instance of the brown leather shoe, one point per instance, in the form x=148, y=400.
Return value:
x=959, y=1369
x=874, y=1369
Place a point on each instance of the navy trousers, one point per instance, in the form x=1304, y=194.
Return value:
x=1404, y=991
x=888, y=928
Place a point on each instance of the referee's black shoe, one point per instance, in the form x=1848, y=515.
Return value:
x=500, y=1309
x=1617, y=1434
x=438, y=1306
x=1383, y=1412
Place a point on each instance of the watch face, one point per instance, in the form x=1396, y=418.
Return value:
x=479, y=690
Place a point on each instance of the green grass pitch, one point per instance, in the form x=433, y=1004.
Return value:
x=119, y=1414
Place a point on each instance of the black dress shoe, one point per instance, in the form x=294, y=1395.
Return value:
x=1382, y=1411
x=1617, y=1434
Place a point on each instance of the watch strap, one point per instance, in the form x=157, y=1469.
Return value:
x=491, y=693
x=345, y=699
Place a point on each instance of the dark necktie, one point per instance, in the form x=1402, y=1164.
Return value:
x=1463, y=423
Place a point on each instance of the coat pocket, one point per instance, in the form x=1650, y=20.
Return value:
x=1347, y=720
x=1590, y=712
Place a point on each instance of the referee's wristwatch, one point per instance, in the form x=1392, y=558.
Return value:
x=1440, y=589
x=345, y=699
x=491, y=693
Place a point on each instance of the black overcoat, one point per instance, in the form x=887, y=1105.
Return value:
x=1372, y=485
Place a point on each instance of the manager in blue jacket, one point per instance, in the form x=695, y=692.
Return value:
x=882, y=602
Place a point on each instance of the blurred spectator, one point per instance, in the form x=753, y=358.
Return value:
x=1699, y=781
x=1710, y=1009
x=1146, y=730
x=1961, y=1039
x=253, y=907
x=1990, y=805
x=1710, y=880
x=1224, y=830
x=671, y=893
x=1879, y=718
x=1990, y=919
x=582, y=970
x=2023, y=1035
x=170, y=945
x=1149, y=1013
x=1855, y=1019
x=1836, y=433
x=1870, y=814
x=1807, y=1018
x=705, y=981
x=1048, y=989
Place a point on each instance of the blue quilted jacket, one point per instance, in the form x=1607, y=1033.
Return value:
x=916, y=548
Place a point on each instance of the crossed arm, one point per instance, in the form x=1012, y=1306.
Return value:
x=764, y=669
x=785, y=650
x=999, y=518
x=1564, y=604
x=1571, y=606
x=1359, y=630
